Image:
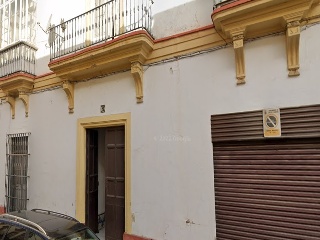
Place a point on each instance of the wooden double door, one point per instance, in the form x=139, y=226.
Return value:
x=112, y=145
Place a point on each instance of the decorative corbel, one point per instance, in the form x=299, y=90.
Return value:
x=293, y=42
x=237, y=36
x=12, y=102
x=25, y=99
x=68, y=87
x=137, y=73
x=239, y=56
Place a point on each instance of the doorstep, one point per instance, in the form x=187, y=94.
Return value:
x=134, y=237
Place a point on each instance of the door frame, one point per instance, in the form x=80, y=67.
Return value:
x=102, y=122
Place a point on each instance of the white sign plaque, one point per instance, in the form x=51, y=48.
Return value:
x=271, y=122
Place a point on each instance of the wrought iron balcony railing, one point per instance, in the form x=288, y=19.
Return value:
x=219, y=3
x=112, y=19
x=17, y=57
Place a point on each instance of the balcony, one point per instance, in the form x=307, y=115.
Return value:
x=17, y=73
x=110, y=38
x=101, y=24
x=17, y=58
x=239, y=20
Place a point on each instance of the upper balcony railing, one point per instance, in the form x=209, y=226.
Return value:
x=219, y=3
x=112, y=19
x=17, y=57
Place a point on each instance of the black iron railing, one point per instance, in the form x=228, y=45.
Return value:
x=219, y=3
x=18, y=57
x=112, y=19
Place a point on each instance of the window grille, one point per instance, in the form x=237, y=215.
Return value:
x=17, y=171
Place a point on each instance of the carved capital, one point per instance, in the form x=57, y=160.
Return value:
x=293, y=42
x=293, y=24
x=137, y=73
x=238, y=37
x=68, y=88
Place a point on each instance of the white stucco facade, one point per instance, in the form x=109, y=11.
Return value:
x=172, y=183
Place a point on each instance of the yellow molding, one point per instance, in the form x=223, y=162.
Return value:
x=185, y=43
x=102, y=122
x=47, y=81
x=18, y=82
x=17, y=86
x=105, y=58
x=127, y=52
x=260, y=17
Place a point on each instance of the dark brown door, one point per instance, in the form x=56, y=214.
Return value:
x=115, y=183
x=92, y=180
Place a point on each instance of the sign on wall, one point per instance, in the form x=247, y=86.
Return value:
x=271, y=122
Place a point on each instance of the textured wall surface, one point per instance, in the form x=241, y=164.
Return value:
x=172, y=163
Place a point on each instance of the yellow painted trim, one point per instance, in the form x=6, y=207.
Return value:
x=261, y=17
x=187, y=43
x=174, y=46
x=102, y=122
x=46, y=82
x=18, y=86
x=68, y=87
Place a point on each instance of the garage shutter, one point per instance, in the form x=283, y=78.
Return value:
x=295, y=123
x=267, y=188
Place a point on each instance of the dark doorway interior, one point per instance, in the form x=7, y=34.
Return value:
x=92, y=182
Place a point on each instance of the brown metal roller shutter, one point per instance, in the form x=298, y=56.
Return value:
x=237, y=126
x=267, y=188
x=300, y=122
x=295, y=123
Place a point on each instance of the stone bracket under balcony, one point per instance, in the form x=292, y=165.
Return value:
x=127, y=52
x=17, y=86
x=260, y=18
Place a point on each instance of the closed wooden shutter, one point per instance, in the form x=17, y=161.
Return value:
x=267, y=188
